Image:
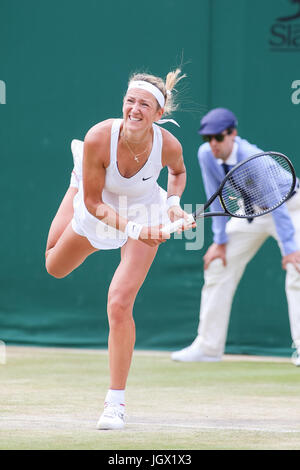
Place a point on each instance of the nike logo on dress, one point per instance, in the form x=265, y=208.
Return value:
x=144, y=179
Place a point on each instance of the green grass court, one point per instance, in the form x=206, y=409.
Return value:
x=52, y=399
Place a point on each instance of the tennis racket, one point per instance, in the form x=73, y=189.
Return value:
x=252, y=188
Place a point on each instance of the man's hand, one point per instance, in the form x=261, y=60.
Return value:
x=215, y=251
x=292, y=258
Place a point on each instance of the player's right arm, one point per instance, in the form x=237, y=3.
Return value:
x=96, y=158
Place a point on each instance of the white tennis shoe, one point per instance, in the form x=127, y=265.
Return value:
x=296, y=358
x=193, y=354
x=113, y=417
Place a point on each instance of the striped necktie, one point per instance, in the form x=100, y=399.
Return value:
x=226, y=168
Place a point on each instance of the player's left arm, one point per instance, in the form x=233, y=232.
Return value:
x=172, y=157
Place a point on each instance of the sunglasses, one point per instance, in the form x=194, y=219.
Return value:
x=218, y=137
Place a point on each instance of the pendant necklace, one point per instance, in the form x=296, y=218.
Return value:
x=135, y=156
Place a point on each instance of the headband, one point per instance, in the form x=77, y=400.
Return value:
x=143, y=85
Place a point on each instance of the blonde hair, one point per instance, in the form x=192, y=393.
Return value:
x=167, y=87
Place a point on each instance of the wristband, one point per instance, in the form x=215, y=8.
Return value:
x=173, y=201
x=133, y=230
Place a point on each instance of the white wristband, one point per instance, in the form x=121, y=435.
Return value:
x=133, y=230
x=173, y=201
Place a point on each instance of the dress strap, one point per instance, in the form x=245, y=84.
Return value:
x=156, y=154
x=115, y=130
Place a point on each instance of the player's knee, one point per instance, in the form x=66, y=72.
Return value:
x=54, y=270
x=119, y=308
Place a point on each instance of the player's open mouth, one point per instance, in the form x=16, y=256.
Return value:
x=134, y=119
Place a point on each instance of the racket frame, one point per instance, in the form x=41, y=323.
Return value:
x=201, y=214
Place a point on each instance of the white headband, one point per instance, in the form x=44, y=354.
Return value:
x=143, y=85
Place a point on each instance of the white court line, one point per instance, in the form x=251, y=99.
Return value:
x=147, y=425
x=199, y=427
x=138, y=352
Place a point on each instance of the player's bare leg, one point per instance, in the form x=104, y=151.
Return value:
x=136, y=259
x=69, y=252
x=134, y=266
x=65, y=249
x=62, y=218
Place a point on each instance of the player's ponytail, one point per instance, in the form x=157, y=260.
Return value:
x=171, y=80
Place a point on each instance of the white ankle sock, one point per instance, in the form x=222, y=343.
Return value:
x=115, y=396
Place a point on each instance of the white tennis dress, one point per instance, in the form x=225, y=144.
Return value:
x=139, y=198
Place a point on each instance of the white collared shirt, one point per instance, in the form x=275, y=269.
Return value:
x=232, y=159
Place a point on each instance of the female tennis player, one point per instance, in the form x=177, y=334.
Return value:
x=114, y=201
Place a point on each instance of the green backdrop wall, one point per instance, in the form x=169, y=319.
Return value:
x=65, y=65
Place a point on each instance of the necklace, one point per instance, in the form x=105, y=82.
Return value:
x=135, y=156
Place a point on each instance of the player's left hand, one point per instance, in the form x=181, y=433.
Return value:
x=176, y=213
x=292, y=258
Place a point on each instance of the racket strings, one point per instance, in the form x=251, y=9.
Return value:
x=257, y=186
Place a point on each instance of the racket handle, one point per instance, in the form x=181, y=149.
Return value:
x=174, y=226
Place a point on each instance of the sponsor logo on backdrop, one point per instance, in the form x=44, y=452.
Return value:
x=285, y=31
x=2, y=92
x=296, y=94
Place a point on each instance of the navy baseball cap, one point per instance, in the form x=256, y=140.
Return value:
x=216, y=121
